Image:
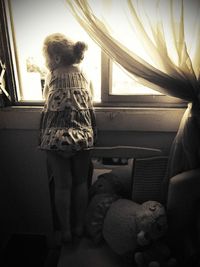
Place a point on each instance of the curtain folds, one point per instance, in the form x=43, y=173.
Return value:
x=158, y=43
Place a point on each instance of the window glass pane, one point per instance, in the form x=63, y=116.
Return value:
x=32, y=22
x=123, y=84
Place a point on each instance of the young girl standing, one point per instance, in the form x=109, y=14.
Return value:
x=68, y=129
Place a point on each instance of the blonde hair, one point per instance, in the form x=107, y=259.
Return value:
x=59, y=50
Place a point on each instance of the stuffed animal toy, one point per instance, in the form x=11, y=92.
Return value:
x=95, y=215
x=124, y=224
x=157, y=254
x=128, y=225
x=112, y=183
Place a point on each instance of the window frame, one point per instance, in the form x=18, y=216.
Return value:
x=6, y=53
x=9, y=56
x=131, y=100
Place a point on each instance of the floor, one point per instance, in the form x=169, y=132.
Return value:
x=33, y=251
x=86, y=254
x=28, y=251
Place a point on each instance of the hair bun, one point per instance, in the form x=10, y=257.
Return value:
x=79, y=48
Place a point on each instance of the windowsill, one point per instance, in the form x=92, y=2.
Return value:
x=121, y=131
x=141, y=106
x=116, y=105
x=119, y=105
x=100, y=108
x=108, y=118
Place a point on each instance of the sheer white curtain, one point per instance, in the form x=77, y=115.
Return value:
x=158, y=43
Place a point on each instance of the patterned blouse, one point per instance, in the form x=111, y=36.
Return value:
x=68, y=120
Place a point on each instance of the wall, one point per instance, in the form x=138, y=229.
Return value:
x=24, y=192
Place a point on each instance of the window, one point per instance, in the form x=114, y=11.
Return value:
x=32, y=21
x=29, y=22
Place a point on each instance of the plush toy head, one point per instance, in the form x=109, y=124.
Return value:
x=128, y=225
x=151, y=221
x=112, y=183
x=103, y=185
